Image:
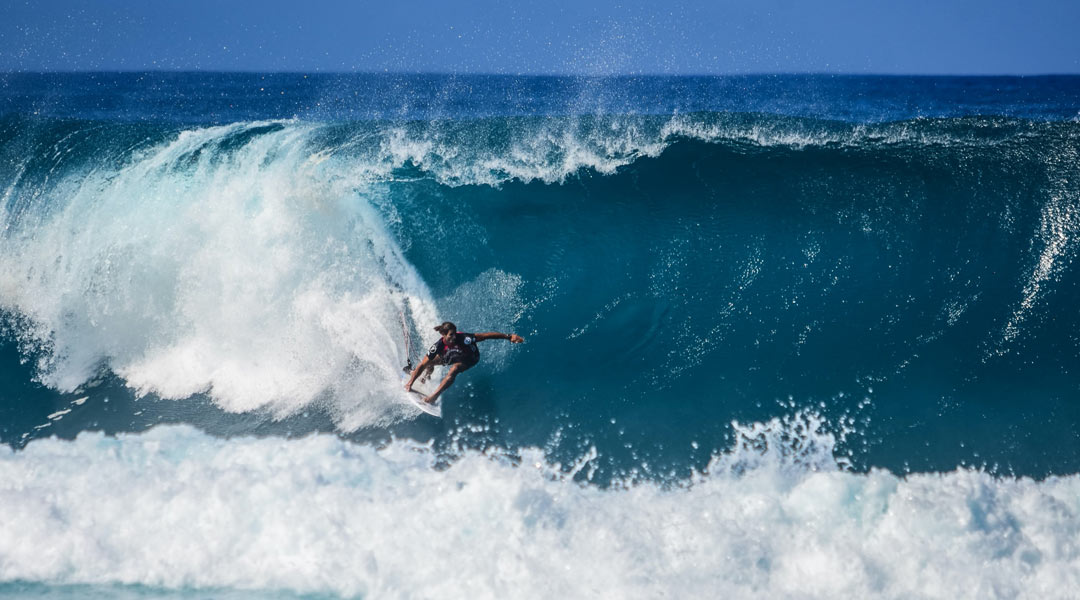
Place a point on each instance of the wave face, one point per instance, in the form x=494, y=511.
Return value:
x=209, y=286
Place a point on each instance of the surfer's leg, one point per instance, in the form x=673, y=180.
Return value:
x=448, y=380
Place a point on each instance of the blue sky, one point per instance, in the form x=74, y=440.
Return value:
x=554, y=36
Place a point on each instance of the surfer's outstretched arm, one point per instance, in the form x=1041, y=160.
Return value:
x=495, y=335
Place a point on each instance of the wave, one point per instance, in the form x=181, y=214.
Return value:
x=774, y=516
x=270, y=264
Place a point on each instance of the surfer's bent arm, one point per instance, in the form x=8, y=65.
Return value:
x=495, y=335
x=416, y=372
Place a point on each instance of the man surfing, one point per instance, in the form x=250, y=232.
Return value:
x=458, y=350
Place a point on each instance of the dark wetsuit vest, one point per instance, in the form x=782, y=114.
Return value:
x=462, y=350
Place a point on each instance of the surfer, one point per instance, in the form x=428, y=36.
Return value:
x=458, y=350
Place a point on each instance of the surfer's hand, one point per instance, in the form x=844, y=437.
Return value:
x=408, y=387
x=516, y=339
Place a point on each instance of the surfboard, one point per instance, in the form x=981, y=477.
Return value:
x=416, y=398
x=433, y=409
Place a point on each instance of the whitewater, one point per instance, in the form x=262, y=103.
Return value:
x=787, y=336
x=176, y=509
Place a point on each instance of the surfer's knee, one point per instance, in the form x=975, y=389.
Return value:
x=455, y=370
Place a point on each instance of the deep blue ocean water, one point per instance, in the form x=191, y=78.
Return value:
x=780, y=330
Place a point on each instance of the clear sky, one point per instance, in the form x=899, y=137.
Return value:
x=546, y=36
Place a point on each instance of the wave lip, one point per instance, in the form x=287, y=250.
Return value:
x=174, y=508
x=497, y=151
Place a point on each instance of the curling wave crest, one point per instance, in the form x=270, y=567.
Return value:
x=228, y=260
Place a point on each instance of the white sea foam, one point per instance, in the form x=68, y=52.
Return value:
x=548, y=151
x=231, y=260
x=774, y=517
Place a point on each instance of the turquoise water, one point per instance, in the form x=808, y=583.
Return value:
x=846, y=300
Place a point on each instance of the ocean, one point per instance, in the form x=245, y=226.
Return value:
x=786, y=336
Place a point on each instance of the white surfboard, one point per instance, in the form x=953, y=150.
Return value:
x=417, y=398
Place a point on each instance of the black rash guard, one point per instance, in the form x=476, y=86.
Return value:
x=461, y=350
